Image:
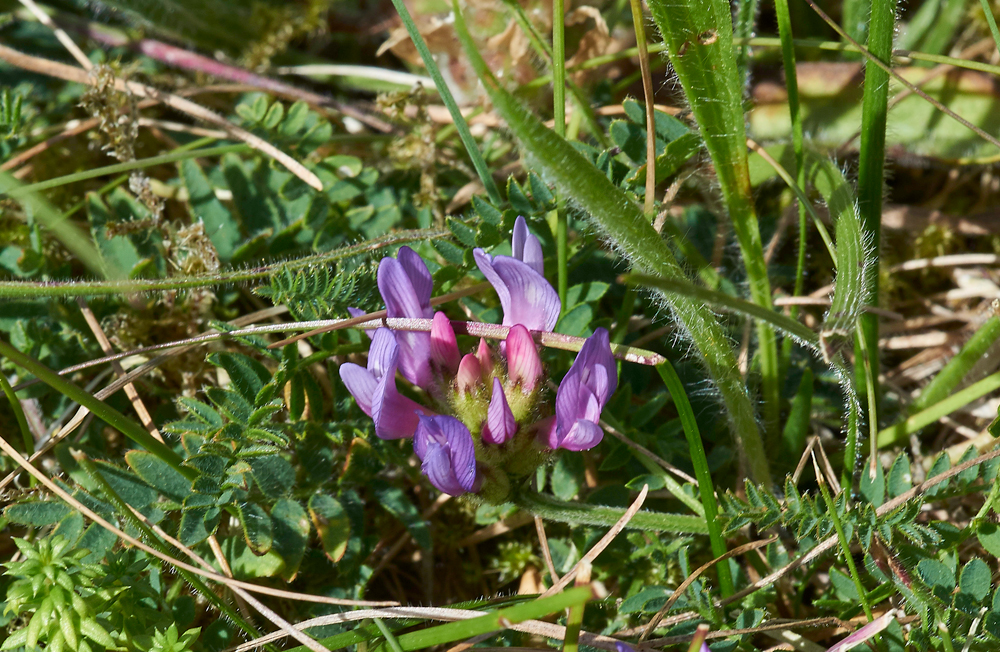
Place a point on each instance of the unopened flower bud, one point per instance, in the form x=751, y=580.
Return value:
x=469, y=374
x=523, y=364
x=444, y=346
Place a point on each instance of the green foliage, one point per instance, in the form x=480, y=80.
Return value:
x=10, y=114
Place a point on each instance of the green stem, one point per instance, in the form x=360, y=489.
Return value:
x=573, y=622
x=562, y=255
x=845, y=546
x=67, y=289
x=559, y=66
x=128, y=166
x=900, y=431
x=706, y=488
x=449, y=100
x=868, y=371
x=580, y=514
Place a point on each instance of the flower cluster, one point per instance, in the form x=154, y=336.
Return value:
x=491, y=422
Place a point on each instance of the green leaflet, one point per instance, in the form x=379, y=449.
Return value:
x=623, y=223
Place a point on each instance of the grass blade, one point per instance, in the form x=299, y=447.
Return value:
x=580, y=514
x=899, y=432
x=699, y=38
x=706, y=488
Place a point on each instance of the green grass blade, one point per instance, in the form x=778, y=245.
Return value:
x=449, y=101
x=22, y=423
x=871, y=170
x=699, y=39
x=991, y=21
x=581, y=514
x=99, y=408
x=899, y=432
x=952, y=374
x=623, y=223
x=706, y=488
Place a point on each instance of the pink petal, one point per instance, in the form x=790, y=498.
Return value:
x=444, y=346
x=523, y=364
x=485, y=357
x=469, y=374
x=533, y=301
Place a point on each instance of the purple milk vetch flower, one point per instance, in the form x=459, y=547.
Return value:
x=444, y=346
x=445, y=447
x=374, y=389
x=523, y=364
x=500, y=425
x=583, y=393
x=525, y=296
x=405, y=285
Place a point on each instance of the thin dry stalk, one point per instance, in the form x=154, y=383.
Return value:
x=69, y=73
x=546, y=553
x=600, y=545
x=133, y=395
x=60, y=34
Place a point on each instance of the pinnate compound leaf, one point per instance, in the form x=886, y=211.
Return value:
x=332, y=523
x=247, y=375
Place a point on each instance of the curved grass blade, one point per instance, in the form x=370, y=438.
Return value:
x=699, y=41
x=624, y=224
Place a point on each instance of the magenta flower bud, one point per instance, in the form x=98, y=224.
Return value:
x=583, y=393
x=500, y=425
x=523, y=364
x=445, y=447
x=444, y=346
x=405, y=285
x=525, y=296
x=469, y=374
x=374, y=389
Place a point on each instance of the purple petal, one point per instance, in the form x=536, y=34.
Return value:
x=523, y=364
x=445, y=446
x=402, y=298
x=469, y=374
x=444, y=346
x=621, y=646
x=415, y=357
x=500, y=424
x=395, y=416
x=420, y=277
x=583, y=393
x=360, y=383
x=532, y=301
x=485, y=263
x=525, y=247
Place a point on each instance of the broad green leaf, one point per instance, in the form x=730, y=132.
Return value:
x=332, y=523
x=873, y=489
x=273, y=474
x=256, y=526
x=128, y=486
x=220, y=226
x=247, y=375
x=158, y=474
x=118, y=252
x=290, y=526
x=585, y=292
x=974, y=580
x=797, y=426
x=938, y=577
x=989, y=538
x=198, y=520
x=245, y=564
x=37, y=513
x=900, y=479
